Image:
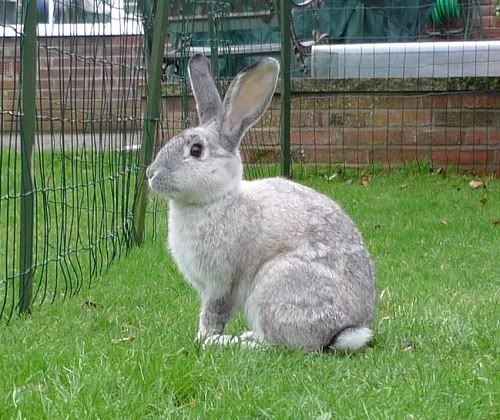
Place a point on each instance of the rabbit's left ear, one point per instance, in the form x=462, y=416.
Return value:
x=247, y=98
x=208, y=103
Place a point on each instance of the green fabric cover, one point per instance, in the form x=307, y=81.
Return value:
x=356, y=21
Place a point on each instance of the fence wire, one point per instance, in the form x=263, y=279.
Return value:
x=89, y=105
x=374, y=83
x=233, y=34
x=389, y=83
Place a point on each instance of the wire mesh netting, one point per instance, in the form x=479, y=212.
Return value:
x=90, y=75
x=392, y=82
x=233, y=34
x=374, y=83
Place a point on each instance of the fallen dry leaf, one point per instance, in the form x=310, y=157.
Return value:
x=475, y=183
x=403, y=186
x=365, y=181
x=444, y=222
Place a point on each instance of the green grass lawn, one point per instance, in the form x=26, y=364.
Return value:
x=81, y=218
x=124, y=348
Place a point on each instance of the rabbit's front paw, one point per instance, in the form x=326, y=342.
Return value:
x=245, y=340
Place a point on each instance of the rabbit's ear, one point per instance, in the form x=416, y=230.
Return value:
x=247, y=98
x=208, y=103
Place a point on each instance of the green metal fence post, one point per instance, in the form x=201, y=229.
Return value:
x=285, y=30
x=28, y=128
x=151, y=117
x=214, y=52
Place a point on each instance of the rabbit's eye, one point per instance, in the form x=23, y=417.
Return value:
x=196, y=150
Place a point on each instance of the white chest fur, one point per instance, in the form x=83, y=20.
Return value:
x=199, y=245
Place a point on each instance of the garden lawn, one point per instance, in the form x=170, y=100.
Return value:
x=125, y=349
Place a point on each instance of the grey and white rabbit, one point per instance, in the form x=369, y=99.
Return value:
x=287, y=255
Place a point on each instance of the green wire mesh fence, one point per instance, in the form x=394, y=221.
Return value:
x=386, y=83
x=374, y=83
x=91, y=89
x=72, y=81
x=233, y=34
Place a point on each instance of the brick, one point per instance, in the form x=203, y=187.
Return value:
x=487, y=9
x=395, y=118
x=420, y=117
x=440, y=136
x=351, y=118
x=440, y=101
x=409, y=135
x=395, y=102
x=460, y=157
x=356, y=137
x=6, y=70
x=174, y=120
x=455, y=136
x=448, y=118
x=9, y=84
x=397, y=155
x=489, y=21
x=260, y=155
x=494, y=137
x=272, y=119
x=477, y=136
x=416, y=102
x=479, y=101
x=262, y=138
x=329, y=101
x=486, y=118
x=424, y=102
x=11, y=51
x=381, y=118
x=373, y=124
x=388, y=136
x=305, y=118
x=465, y=118
x=312, y=137
x=326, y=154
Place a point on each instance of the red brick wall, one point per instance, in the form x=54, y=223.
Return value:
x=391, y=126
x=81, y=82
x=396, y=127
x=490, y=22
x=95, y=84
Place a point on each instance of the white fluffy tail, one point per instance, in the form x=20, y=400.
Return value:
x=352, y=339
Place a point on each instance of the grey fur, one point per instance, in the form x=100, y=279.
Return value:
x=204, y=89
x=287, y=255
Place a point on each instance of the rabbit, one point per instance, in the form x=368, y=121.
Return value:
x=285, y=254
